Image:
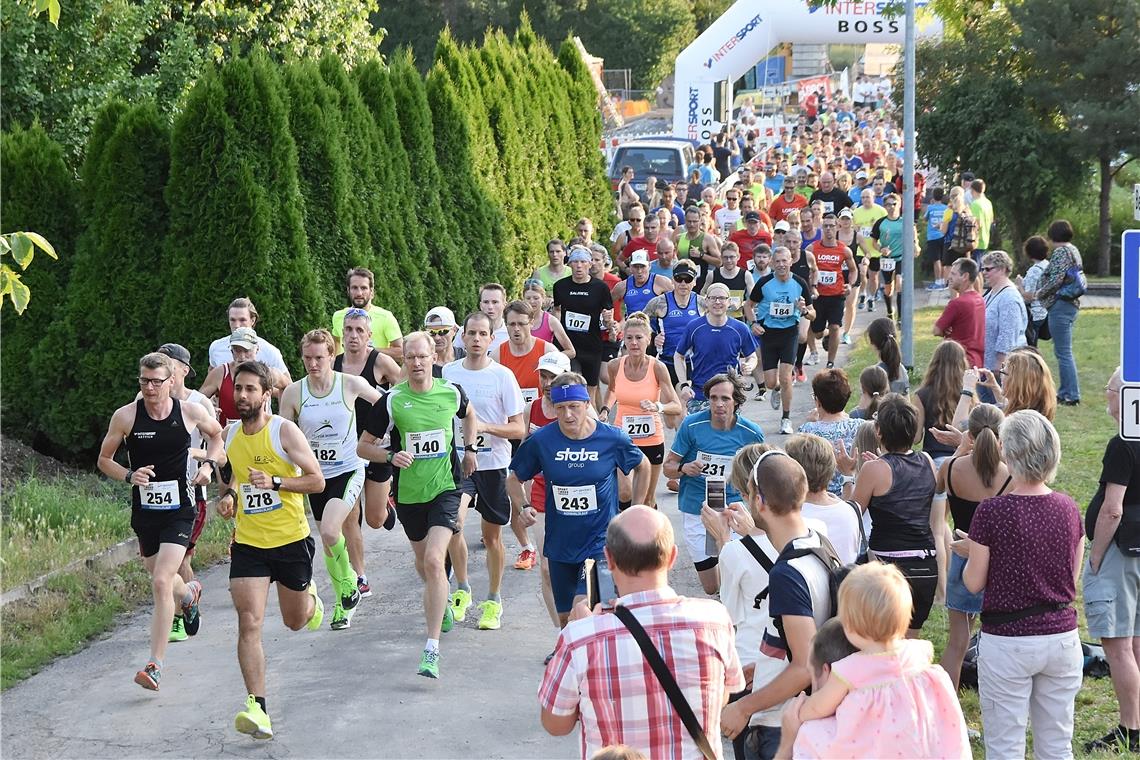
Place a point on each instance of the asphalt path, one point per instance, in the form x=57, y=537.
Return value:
x=343, y=694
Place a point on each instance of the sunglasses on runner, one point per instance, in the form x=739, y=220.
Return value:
x=437, y=332
x=684, y=278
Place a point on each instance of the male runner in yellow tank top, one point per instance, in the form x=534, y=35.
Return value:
x=272, y=467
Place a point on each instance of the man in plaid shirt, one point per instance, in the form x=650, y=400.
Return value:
x=598, y=674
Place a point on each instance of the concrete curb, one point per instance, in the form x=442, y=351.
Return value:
x=119, y=554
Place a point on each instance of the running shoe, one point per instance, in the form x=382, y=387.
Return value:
x=429, y=664
x=149, y=677
x=862, y=301
x=192, y=626
x=1116, y=740
x=448, y=620
x=774, y=398
x=492, y=617
x=785, y=426
x=178, y=630
x=831, y=365
x=342, y=618
x=190, y=611
x=870, y=305
x=525, y=560
x=318, y=617
x=812, y=359
x=253, y=720
x=673, y=485
x=846, y=340
x=351, y=599
x=932, y=286
x=460, y=601
x=390, y=520
x=760, y=394
x=363, y=587
x=801, y=376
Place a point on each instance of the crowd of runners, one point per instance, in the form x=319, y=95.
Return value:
x=554, y=409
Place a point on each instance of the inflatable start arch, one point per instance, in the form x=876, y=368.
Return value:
x=750, y=28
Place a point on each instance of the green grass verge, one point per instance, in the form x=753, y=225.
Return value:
x=46, y=526
x=1084, y=431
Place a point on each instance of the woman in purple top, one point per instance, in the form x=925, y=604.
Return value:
x=1025, y=550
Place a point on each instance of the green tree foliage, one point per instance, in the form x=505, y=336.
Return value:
x=236, y=212
x=38, y=193
x=441, y=231
x=408, y=259
x=334, y=218
x=642, y=35
x=594, y=189
x=973, y=112
x=109, y=313
x=463, y=191
x=158, y=48
x=1084, y=56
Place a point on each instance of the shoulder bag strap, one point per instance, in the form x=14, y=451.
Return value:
x=757, y=553
x=668, y=683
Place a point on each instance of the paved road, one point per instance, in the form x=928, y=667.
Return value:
x=349, y=694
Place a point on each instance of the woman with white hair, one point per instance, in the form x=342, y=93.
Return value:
x=1024, y=550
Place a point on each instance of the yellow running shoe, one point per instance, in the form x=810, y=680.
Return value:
x=492, y=617
x=460, y=601
x=178, y=630
x=253, y=720
x=318, y=617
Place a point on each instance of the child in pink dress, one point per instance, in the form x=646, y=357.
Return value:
x=887, y=700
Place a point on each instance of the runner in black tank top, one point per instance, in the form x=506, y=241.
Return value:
x=377, y=477
x=156, y=432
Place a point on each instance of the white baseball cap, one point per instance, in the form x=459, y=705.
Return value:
x=440, y=315
x=639, y=257
x=555, y=363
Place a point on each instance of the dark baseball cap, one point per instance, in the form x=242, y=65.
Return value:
x=178, y=353
x=752, y=216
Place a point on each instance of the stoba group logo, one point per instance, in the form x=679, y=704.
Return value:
x=733, y=41
x=576, y=455
x=700, y=119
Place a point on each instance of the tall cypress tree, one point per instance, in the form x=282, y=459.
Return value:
x=588, y=131
x=39, y=194
x=236, y=213
x=332, y=214
x=113, y=297
x=412, y=264
x=479, y=218
x=442, y=232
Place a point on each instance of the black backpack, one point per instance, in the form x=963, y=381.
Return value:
x=836, y=572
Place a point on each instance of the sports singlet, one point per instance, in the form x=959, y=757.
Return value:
x=525, y=367
x=737, y=289
x=265, y=518
x=800, y=267
x=227, y=410
x=329, y=424
x=674, y=322
x=548, y=278
x=829, y=262
x=542, y=330
x=164, y=445
x=693, y=249
x=363, y=408
x=637, y=296
x=643, y=427
x=538, y=420
x=962, y=509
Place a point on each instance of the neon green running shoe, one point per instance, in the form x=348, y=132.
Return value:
x=178, y=630
x=492, y=617
x=318, y=617
x=429, y=664
x=253, y=720
x=460, y=601
x=448, y=620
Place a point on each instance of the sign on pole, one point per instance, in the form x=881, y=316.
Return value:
x=1136, y=201
x=1130, y=334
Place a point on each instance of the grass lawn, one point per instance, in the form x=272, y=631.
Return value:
x=49, y=523
x=1084, y=431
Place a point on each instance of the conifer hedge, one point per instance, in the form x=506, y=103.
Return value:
x=273, y=180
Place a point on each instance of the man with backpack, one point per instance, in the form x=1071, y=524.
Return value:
x=801, y=597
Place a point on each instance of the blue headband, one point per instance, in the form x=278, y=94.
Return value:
x=560, y=393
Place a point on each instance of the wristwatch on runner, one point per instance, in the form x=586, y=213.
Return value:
x=276, y=483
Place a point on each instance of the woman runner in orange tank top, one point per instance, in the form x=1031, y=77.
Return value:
x=641, y=390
